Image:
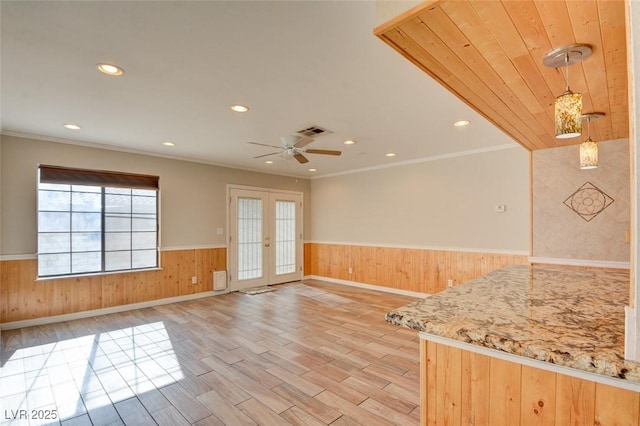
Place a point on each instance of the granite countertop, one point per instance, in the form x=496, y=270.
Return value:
x=567, y=317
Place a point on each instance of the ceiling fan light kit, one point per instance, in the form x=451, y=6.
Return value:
x=568, y=106
x=293, y=146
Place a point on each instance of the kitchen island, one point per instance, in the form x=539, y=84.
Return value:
x=526, y=345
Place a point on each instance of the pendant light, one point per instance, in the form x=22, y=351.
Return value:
x=568, y=106
x=589, y=148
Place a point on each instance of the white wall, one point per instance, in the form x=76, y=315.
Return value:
x=389, y=9
x=446, y=203
x=192, y=195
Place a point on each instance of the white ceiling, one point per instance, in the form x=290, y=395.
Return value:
x=295, y=64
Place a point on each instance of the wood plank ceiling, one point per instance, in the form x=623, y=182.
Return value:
x=489, y=54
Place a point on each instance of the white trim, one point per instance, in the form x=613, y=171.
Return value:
x=530, y=362
x=269, y=192
x=416, y=247
x=631, y=332
x=580, y=262
x=105, y=311
x=33, y=256
x=423, y=160
x=368, y=286
x=196, y=247
x=231, y=186
x=632, y=325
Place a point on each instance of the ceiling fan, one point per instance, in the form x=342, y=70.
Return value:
x=293, y=147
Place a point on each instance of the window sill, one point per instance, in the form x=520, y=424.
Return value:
x=97, y=274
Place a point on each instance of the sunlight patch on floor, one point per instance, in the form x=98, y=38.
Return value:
x=82, y=374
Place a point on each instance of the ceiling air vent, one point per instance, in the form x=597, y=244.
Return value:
x=314, y=131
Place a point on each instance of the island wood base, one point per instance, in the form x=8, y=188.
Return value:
x=461, y=387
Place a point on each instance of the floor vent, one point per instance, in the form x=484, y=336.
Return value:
x=314, y=131
x=219, y=280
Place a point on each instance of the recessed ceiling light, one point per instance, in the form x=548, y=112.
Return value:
x=461, y=123
x=167, y=143
x=72, y=126
x=390, y=154
x=269, y=162
x=239, y=108
x=110, y=69
x=349, y=142
x=313, y=170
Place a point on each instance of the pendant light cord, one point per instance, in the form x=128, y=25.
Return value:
x=566, y=66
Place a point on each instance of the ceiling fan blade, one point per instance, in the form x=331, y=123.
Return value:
x=264, y=144
x=266, y=155
x=323, y=151
x=301, y=158
x=303, y=141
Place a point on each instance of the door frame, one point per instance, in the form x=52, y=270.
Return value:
x=299, y=247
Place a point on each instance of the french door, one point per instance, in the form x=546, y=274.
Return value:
x=265, y=237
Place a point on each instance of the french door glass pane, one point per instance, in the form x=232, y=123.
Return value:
x=249, y=238
x=285, y=238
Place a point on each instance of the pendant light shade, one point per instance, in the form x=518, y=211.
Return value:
x=589, y=148
x=568, y=114
x=588, y=154
x=568, y=106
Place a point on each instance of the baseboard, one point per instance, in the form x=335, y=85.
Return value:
x=368, y=286
x=104, y=311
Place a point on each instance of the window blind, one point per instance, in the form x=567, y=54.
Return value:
x=72, y=176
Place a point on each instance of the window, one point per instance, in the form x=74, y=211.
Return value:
x=95, y=221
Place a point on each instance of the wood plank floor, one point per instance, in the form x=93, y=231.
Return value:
x=309, y=353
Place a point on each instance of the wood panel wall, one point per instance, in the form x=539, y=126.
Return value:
x=23, y=297
x=424, y=271
x=459, y=387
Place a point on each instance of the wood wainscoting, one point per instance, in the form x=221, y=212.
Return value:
x=459, y=387
x=24, y=297
x=417, y=270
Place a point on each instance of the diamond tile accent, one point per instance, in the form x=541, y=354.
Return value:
x=588, y=201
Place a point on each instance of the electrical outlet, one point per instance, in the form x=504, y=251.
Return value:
x=350, y=270
x=194, y=280
x=449, y=283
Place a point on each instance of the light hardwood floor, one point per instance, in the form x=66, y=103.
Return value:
x=309, y=353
